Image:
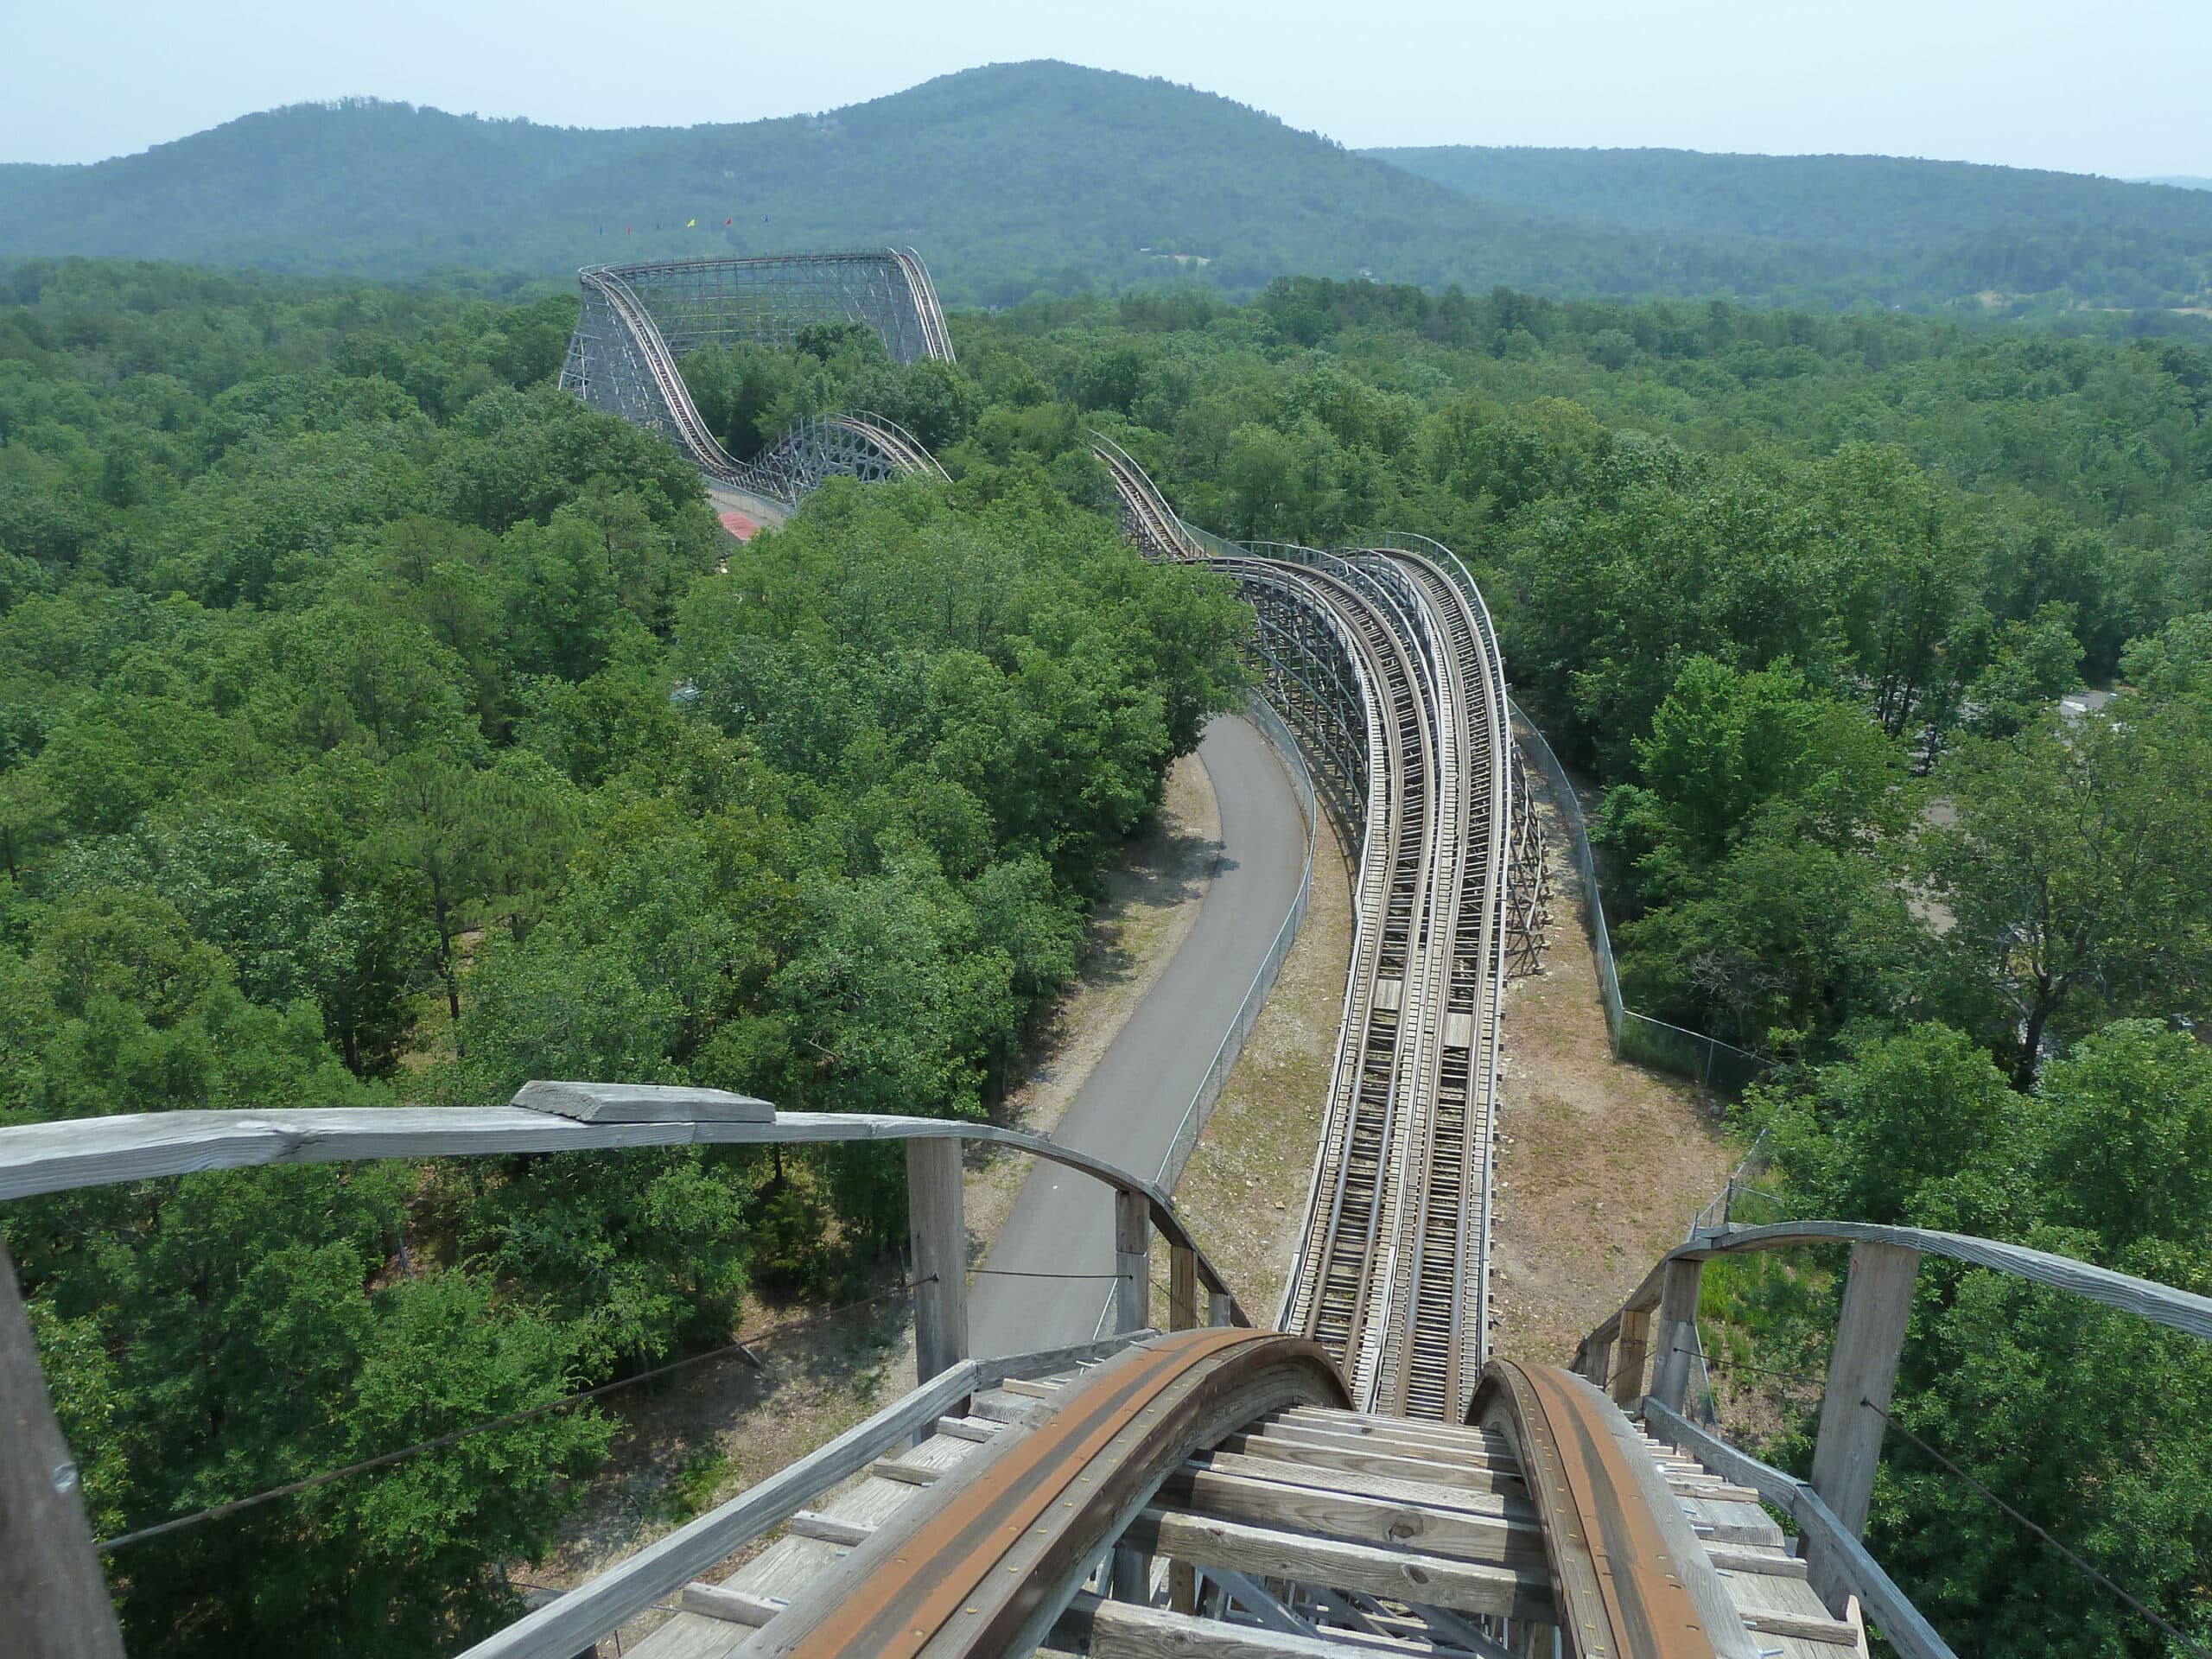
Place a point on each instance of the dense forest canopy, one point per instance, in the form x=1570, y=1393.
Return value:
x=307, y=586
x=1030, y=177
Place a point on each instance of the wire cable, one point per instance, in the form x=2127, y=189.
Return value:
x=2079, y=1564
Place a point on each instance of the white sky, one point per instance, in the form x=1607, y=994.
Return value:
x=2120, y=87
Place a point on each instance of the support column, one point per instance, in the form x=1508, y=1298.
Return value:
x=1131, y=1262
x=51, y=1586
x=936, y=1237
x=1182, y=1288
x=1221, y=1309
x=1670, y=1368
x=1627, y=1382
x=1869, y=1333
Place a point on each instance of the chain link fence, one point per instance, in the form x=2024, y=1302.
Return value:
x=1232, y=1043
x=1720, y=1066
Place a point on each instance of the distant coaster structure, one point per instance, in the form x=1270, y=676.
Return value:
x=639, y=321
x=1382, y=661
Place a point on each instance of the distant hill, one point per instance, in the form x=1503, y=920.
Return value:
x=1914, y=232
x=1017, y=177
x=1009, y=178
x=2180, y=181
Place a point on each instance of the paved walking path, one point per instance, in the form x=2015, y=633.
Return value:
x=1133, y=1103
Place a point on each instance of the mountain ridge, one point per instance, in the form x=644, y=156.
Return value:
x=1014, y=178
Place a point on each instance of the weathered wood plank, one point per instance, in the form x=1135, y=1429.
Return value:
x=1353, y=1460
x=1862, y=1371
x=1356, y=1518
x=1119, y=1629
x=1887, y=1605
x=54, y=1597
x=938, y=1246
x=829, y=1528
x=1677, y=1331
x=1131, y=1262
x=905, y=1471
x=731, y=1606
x=1387, y=1488
x=1464, y=1587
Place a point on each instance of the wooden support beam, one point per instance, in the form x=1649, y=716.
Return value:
x=1182, y=1288
x=53, y=1595
x=1437, y=1471
x=1677, y=1344
x=1221, y=1309
x=1387, y=1488
x=1597, y=1357
x=1437, y=1580
x=1131, y=1262
x=731, y=1606
x=937, y=1247
x=1182, y=1588
x=1862, y=1370
x=1625, y=1382
x=1353, y=1516
x=1116, y=1629
x=829, y=1528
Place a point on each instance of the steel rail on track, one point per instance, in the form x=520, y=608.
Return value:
x=1629, y=1579
x=1393, y=1268
x=1013, y=1532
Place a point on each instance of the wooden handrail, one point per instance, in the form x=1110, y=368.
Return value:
x=82, y=1152
x=1862, y=1370
x=2145, y=1297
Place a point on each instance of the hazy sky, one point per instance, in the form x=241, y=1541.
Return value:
x=2121, y=88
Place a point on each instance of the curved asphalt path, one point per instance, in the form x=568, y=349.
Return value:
x=1129, y=1109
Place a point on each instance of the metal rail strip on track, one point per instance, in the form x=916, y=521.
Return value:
x=1009, y=1541
x=1393, y=1260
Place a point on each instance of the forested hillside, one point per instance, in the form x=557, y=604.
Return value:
x=1916, y=233
x=377, y=724
x=1020, y=178
x=308, y=589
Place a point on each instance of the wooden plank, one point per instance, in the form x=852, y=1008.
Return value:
x=1625, y=1382
x=564, y=1628
x=1305, y=1434
x=1440, y=1434
x=1862, y=1371
x=1748, y=1558
x=1352, y=1460
x=812, y=1524
x=1831, y=1632
x=731, y=1606
x=1464, y=1587
x=936, y=1239
x=1677, y=1332
x=1352, y=1516
x=966, y=1428
x=1131, y=1262
x=1028, y=1389
x=1892, y=1612
x=1387, y=1488
x=1119, y=1629
x=1182, y=1288
x=1402, y=1438
x=53, y=1595
x=905, y=1471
